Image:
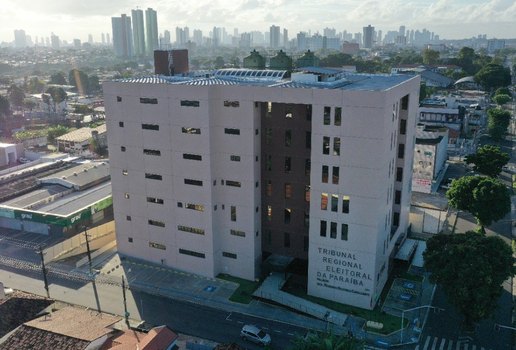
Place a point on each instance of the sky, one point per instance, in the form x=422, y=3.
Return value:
x=451, y=19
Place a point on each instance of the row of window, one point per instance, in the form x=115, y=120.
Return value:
x=326, y=145
x=337, y=116
x=188, y=156
x=289, y=111
x=154, y=101
x=288, y=137
x=334, y=202
x=334, y=174
x=286, y=240
x=323, y=231
x=287, y=165
x=197, y=231
x=186, y=251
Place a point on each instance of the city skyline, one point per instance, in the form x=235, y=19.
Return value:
x=452, y=19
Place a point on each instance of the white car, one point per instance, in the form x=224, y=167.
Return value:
x=255, y=334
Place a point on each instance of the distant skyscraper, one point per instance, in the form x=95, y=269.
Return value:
x=151, y=27
x=20, y=39
x=197, y=36
x=122, y=36
x=216, y=36
x=90, y=38
x=275, y=37
x=402, y=31
x=166, y=38
x=368, y=36
x=77, y=43
x=138, y=33
x=54, y=39
x=329, y=32
x=103, y=38
x=379, y=37
x=285, y=37
x=108, y=39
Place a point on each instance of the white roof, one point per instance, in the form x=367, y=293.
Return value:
x=418, y=256
x=406, y=249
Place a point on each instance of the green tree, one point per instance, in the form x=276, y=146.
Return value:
x=219, y=62
x=336, y=60
x=501, y=99
x=16, y=95
x=35, y=86
x=5, y=107
x=488, y=160
x=503, y=91
x=470, y=268
x=79, y=80
x=56, y=131
x=493, y=76
x=465, y=59
x=329, y=341
x=58, y=95
x=58, y=78
x=430, y=56
x=487, y=199
x=93, y=84
x=498, y=121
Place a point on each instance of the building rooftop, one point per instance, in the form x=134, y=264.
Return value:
x=340, y=79
x=82, y=134
x=76, y=322
x=428, y=141
x=29, y=338
x=80, y=176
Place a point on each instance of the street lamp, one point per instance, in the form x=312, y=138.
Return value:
x=44, y=269
x=88, y=248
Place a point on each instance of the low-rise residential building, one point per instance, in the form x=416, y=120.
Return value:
x=430, y=157
x=78, y=142
x=10, y=153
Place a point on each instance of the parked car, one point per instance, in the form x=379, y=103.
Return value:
x=255, y=334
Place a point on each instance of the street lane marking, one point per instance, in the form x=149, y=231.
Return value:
x=442, y=344
x=434, y=343
x=240, y=322
x=228, y=318
x=425, y=347
x=290, y=333
x=450, y=345
x=277, y=331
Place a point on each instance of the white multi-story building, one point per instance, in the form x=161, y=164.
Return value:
x=211, y=174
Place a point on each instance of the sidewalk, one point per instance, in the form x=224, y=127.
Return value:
x=175, y=284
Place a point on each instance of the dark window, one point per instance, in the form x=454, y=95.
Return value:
x=268, y=188
x=338, y=116
x=308, y=139
x=333, y=230
x=231, y=104
x=130, y=239
x=119, y=99
x=125, y=172
x=229, y=255
x=152, y=152
x=288, y=164
x=156, y=223
x=324, y=201
x=306, y=219
x=323, y=228
x=122, y=148
x=121, y=124
x=268, y=136
x=234, y=158
x=157, y=246
x=401, y=150
x=307, y=193
x=288, y=191
x=403, y=126
x=196, y=131
x=233, y=183
x=153, y=176
x=192, y=156
x=191, y=253
x=345, y=204
x=307, y=167
x=198, y=207
x=150, y=127
x=197, y=231
x=309, y=112
x=324, y=178
x=397, y=197
x=396, y=219
x=288, y=112
x=237, y=233
x=231, y=131
x=268, y=162
x=288, y=138
x=154, y=200
x=399, y=174
x=233, y=213
x=286, y=239
x=187, y=103
x=128, y=217
x=146, y=100
x=287, y=215
x=335, y=202
x=305, y=243
x=335, y=175
x=336, y=146
x=327, y=114
x=404, y=102
x=179, y=204
x=326, y=145
x=344, y=232
x=193, y=182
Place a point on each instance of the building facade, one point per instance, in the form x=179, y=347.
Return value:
x=210, y=175
x=138, y=32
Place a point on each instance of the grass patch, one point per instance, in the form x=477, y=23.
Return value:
x=244, y=293
x=390, y=323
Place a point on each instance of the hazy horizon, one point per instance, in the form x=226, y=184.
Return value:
x=450, y=19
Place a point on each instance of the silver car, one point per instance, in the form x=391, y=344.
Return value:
x=255, y=334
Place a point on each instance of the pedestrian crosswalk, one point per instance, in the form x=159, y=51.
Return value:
x=435, y=343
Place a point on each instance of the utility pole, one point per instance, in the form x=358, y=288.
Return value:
x=44, y=269
x=126, y=313
x=88, y=248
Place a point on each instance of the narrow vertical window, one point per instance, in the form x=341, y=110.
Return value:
x=335, y=175
x=308, y=139
x=322, y=229
x=333, y=230
x=336, y=146
x=307, y=193
x=233, y=213
x=288, y=191
x=288, y=138
x=286, y=239
x=324, y=201
x=334, y=202
x=345, y=204
x=344, y=232
x=327, y=117
x=268, y=136
x=307, y=167
x=268, y=188
x=268, y=162
x=324, y=177
x=287, y=215
x=326, y=145
x=288, y=164
x=338, y=116
x=269, y=213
